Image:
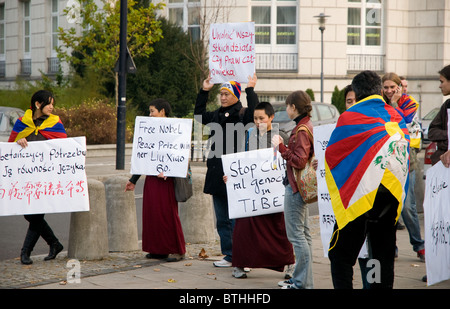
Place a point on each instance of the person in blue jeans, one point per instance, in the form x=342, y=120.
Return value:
x=224, y=141
x=297, y=154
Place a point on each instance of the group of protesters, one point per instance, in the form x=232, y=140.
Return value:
x=370, y=166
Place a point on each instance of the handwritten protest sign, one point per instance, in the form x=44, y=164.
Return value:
x=327, y=219
x=321, y=137
x=437, y=223
x=232, y=52
x=254, y=182
x=46, y=177
x=161, y=145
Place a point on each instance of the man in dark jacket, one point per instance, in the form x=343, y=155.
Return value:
x=224, y=141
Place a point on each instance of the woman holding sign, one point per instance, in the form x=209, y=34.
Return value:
x=162, y=234
x=296, y=154
x=37, y=124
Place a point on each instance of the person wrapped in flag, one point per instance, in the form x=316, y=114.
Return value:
x=366, y=162
x=38, y=123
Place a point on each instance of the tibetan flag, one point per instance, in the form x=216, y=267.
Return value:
x=407, y=107
x=50, y=128
x=369, y=147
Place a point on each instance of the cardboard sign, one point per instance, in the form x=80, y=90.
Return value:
x=327, y=219
x=161, y=145
x=232, y=52
x=46, y=177
x=437, y=223
x=254, y=182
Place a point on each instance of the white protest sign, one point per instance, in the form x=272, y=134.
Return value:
x=161, y=145
x=437, y=223
x=45, y=177
x=254, y=182
x=322, y=135
x=232, y=52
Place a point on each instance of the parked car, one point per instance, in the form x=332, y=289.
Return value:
x=322, y=113
x=431, y=148
x=425, y=123
x=8, y=117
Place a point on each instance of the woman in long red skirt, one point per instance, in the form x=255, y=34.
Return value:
x=162, y=234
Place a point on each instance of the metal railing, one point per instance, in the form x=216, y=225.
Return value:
x=53, y=65
x=2, y=68
x=285, y=62
x=361, y=62
x=25, y=67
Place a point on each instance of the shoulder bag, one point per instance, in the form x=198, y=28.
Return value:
x=306, y=178
x=183, y=187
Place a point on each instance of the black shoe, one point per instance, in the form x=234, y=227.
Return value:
x=157, y=256
x=175, y=257
x=30, y=241
x=25, y=257
x=54, y=250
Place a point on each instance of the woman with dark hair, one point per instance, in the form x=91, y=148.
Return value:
x=37, y=124
x=297, y=153
x=438, y=131
x=162, y=233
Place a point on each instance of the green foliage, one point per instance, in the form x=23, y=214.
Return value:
x=95, y=119
x=310, y=92
x=168, y=73
x=338, y=99
x=97, y=46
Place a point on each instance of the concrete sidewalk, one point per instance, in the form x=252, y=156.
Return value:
x=131, y=270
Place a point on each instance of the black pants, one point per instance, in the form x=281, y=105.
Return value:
x=378, y=225
x=39, y=226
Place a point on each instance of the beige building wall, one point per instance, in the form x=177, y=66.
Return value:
x=416, y=44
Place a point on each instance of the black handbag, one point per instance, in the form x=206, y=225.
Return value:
x=183, y=187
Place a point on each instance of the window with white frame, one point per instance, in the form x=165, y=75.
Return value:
x=26, y=29
x=365, y=35
x=276, y=34
x=186, y=14
x=2, y=31
x=275, y=23
x=55, y=22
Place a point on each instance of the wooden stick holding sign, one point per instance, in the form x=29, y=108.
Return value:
x=161, y=145
x=254, y=183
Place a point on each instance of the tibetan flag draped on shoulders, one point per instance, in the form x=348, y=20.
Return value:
x=407, y=107
x=50, y=128
x=369, y=147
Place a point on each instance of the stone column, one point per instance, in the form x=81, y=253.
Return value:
x=121, y=214
x=88, y=236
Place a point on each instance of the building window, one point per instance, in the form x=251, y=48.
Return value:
x=2, y=31
x=55, y=22
x=26, y=30
x=364, y=23
x=275, y=34
x=186, y=14
x=365, y=35
x=275, y=22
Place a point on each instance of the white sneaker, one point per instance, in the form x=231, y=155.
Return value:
x=239, y=272
x=289, y=287
x=285, y=283
x=222, y=263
